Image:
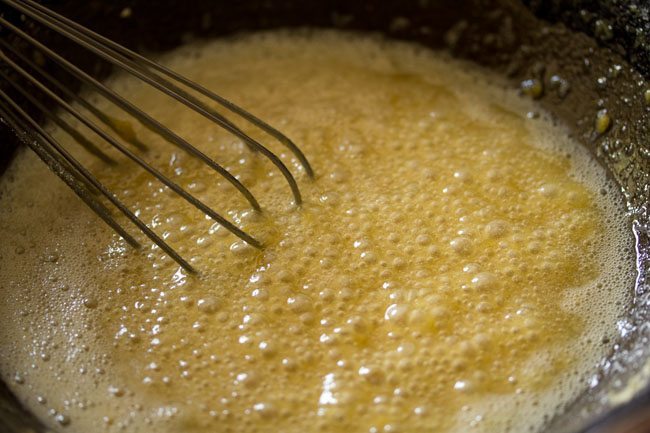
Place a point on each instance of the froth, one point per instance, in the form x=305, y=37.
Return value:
x=456, y=263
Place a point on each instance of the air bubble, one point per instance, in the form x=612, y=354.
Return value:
x=603, y=121
x=90, y=303
x=208, y=305
x=396, y=313
x=496, y=229
x=442, y=245
x=62, y=419
x=461, y=245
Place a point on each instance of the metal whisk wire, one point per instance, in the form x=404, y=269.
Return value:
x=71, y=171
x=147, y=120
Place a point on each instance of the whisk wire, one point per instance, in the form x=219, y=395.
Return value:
x=191, y=84
x=153, y=124
x=71, y=171
x=57, y=166
x=107, y=120
x=89, y=145
x=168, y=88
x=80, y=138
x=135, y=158
x=92, y=180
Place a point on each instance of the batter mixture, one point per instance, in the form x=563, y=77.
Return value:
x=458, y=265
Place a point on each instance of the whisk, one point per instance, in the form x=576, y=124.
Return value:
x=59, y=160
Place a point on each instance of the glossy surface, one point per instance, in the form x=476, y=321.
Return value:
x=452, y=266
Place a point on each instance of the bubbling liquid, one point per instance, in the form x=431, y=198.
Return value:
x=458, y=265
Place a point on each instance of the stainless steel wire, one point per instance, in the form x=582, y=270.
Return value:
x=69, y=169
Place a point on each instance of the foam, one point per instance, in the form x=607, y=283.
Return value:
x=348, y=318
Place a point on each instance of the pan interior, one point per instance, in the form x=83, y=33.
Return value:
x=342, y=307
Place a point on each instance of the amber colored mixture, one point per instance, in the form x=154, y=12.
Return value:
x=458, y=263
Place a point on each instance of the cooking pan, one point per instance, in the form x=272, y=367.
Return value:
x=589, y=56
